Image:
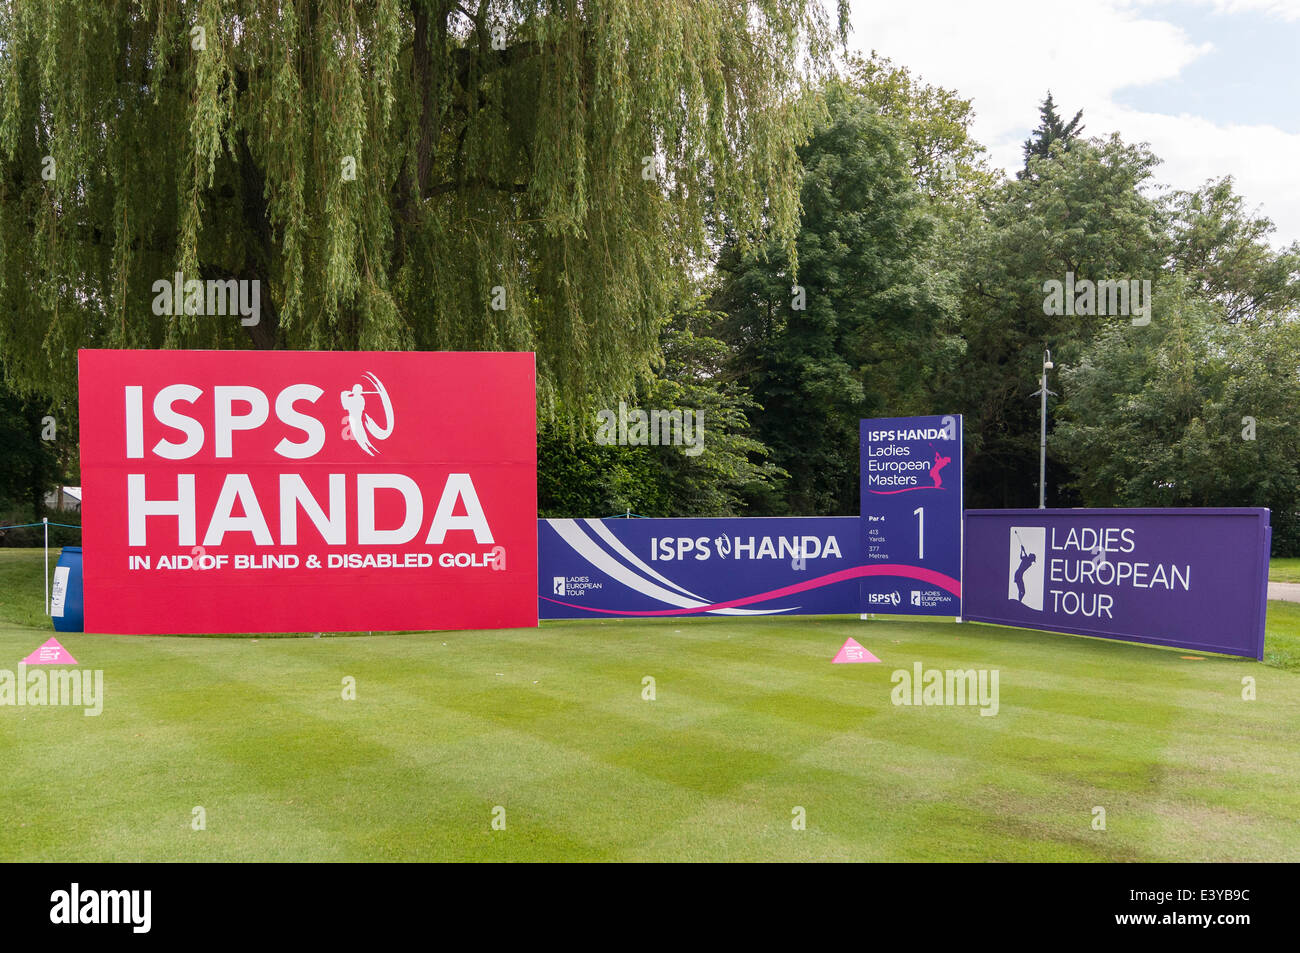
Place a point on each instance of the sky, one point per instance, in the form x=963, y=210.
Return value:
x=1212, y=85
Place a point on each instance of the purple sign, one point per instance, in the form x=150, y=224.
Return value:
x=1190, y=578
x=911, y=492
x=592, y=568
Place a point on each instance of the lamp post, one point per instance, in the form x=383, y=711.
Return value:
x=1042, y=433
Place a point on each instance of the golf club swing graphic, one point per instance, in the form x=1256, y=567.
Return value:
x=360, y=424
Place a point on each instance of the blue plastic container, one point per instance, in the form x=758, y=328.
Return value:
x=66, y=606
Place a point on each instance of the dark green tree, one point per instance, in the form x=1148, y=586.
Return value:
x=1191, y=410
x=1084, y=214
x=29, y=465
x=861, y=331
x=1051, y=129
x=579, y=477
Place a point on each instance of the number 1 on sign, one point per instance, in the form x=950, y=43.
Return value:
x=919, y=513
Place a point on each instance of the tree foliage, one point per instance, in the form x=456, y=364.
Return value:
x=561, y=177
x=28, y=464
x=572, y=157
x=580, y=477
x=862, y=333
x=934, y=124
x=1084, y=212
x=1224, y=249
x=1052, y=130
x=1192, y=410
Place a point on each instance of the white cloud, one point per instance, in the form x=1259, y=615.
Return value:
x=1006, y=55
x=1288, y=10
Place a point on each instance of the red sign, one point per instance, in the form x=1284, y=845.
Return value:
x=289, y=491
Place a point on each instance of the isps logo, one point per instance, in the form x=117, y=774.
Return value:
x=883, y=598
x=243, y=408
x=247, y=424
x=359, y=425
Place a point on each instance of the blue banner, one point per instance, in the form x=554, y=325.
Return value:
x=1191, y=578
x=592, y=568
x=911, y=524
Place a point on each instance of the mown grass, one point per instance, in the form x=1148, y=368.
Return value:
x=1284, y=569
x=749, y=722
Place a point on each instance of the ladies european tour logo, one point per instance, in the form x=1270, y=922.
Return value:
x=1025, y=572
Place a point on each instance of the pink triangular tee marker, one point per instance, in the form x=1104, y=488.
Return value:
x=850, y=651
x=51, y=653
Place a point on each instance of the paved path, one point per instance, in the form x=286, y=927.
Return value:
x=1290, y=591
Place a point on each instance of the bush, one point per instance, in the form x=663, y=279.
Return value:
x=1286, y=533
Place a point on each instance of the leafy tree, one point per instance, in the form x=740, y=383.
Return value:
x=949, y=165
x=1051, y=129
x=28, y=464
x=579, y=477
x=1224, y=250
x=388, y=171
x=1085, y=213
x=1188, y=411
x=862, y=333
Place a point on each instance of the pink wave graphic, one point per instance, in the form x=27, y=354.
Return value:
x=905, y=490
x=919, y=573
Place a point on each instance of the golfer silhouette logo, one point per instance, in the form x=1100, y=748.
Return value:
x=362, y=426
x=1026, y=560
x=1025, y=566
x=940, y=462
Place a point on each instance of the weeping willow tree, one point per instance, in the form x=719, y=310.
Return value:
x=435, y=175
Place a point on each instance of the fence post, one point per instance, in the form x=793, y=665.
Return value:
x=45, y=520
